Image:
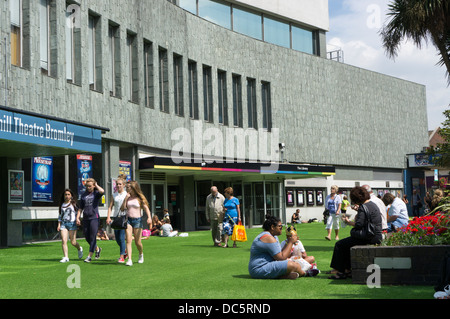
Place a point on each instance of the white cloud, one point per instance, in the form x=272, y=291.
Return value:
x=355, y=30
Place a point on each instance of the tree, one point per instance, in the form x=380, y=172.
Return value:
x=419, y=21
x=441, y=153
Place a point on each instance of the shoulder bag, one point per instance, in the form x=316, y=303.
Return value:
x=368, y=229
x=120, y=221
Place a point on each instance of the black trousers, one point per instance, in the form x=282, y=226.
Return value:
x=90, y=229
x=341, y=259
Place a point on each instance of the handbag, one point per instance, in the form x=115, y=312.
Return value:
x=368, y=230
x=239, y=233
x=120, y=221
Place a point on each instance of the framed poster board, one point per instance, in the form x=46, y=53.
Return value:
x=310, y=198
x=289, y=197
x=319, y=197
x=300, y=197
x=15, y=187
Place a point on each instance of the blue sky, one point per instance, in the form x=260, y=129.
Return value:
x=354, y=27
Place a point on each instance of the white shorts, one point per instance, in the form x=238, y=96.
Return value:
x=333, y=222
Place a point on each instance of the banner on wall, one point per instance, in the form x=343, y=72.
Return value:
x=125, y=168
x=84, y=171
x=42, y=179
x=15, y=189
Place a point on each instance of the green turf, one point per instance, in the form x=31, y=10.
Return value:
x=179, y=268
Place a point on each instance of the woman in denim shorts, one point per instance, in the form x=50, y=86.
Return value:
x=133, y=203
x=67, y=224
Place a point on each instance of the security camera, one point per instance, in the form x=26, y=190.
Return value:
x=281, y=145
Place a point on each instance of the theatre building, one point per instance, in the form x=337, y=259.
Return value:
x=185, y=94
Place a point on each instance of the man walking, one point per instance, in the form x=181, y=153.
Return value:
x=214, y=214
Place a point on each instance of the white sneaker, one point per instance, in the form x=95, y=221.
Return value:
x=88, y=260
x=64, y=260
x=141, y=259
x=80, y=253
x=129, y=262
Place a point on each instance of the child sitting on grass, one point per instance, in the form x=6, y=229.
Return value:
x=167, y=230
x=298, y=252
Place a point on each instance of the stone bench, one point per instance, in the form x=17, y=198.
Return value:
x=399, y=265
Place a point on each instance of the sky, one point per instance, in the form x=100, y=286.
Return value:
x=354, y=28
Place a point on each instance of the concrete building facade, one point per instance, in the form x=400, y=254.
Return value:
x=154, y=81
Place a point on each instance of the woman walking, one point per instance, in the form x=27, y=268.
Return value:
x=91, y=218
x=134, y=202
x=67, y=225
x=333, y=203
x=116, y=202
x=232, y=214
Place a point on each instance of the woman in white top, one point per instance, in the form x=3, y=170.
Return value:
x=67, y=224
x=116, y=202
x=333, y=203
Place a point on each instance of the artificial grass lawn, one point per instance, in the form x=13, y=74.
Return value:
x=179, y=268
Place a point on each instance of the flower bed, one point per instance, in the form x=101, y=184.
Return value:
x=432, y=229
x=411, y=256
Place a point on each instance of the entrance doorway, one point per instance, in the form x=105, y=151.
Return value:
x=156, y=194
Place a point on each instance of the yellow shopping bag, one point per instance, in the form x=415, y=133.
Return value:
x=239, y=233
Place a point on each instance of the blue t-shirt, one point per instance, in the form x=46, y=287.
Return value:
x=333, y=203
x=262, y=263
x=89, y=204
x=231, y=206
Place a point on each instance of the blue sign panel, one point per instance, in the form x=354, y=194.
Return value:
x=42, y=179
x=35, y=130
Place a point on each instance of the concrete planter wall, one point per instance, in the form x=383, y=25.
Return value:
x=399, y=265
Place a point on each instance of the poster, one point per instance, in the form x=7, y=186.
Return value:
x=84, y=171
x=319, y=197
x=42, y=179
x=310, y=198
x=15, y=188
x=290, y=198
x=125, y=168
x=300, y=200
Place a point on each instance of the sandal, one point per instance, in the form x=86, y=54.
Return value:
x=327, y=238
x=338, y=275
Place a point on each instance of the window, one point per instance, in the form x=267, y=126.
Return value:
x=247, y=22
x=217, y=12
x=266, y=105
x=193, y=90
x=207, y=94
x=276, y=32
x=47, y=37
x=178, y=84
x=114, y=61
x=251, y=103
x=223, y=104
x=73, y=46
x=189, y=5
x=20, y=31
x=302, y=40
x=163, y=81
x=95, y=53
x=133, y=71
x=148, y=74
x=237, y=101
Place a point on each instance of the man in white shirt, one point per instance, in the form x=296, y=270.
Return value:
x=380, y=205
x=214, y=214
